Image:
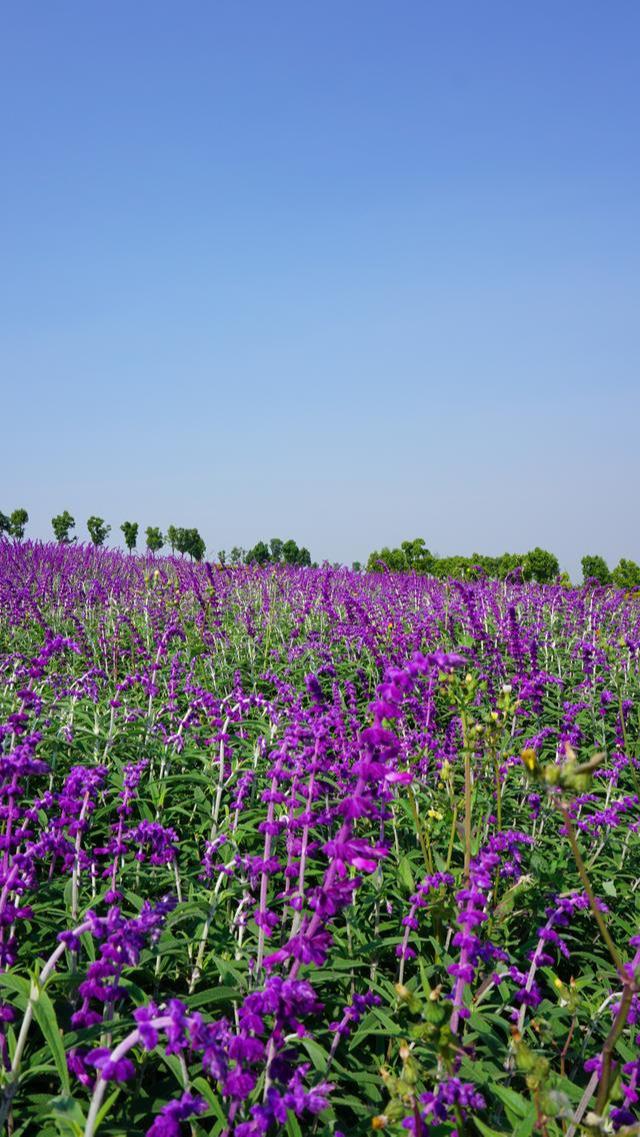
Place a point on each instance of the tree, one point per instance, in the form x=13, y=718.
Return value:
x=626, y=574
x=173, y=537
x=540, y=565
x=356, y=566
x=130, y=531
x=62, y=526
x=291, y=552
x=17, y=523
x=276, y=546
x=196, y=546
x=259, y=554
x=237, y=555
x=222, y=556
x=508, y=563
x=5, y=523
x=155, y=540
x=595, y=568
x=98, y=530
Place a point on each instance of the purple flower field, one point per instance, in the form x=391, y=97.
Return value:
x=311, y=852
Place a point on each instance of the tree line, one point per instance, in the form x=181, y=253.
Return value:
x=538, y=564
x=177, y=538
x=410, y=556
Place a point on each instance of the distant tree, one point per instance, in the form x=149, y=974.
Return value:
x=181, y=539
x=276, y=550
x=98, y=530
x=62, y=526
x=304, y=557
x=626, y=574
x=291, y=552
x=595, y=568
x=394, y=560
x=5, y=523
x=155, y=540
x=173, y=537
x=417, y=556
x=259, y=554
x=356, y=566
x=17, y=523
x=508, y=563
x=237, y=555
x=130, y=531
x=540, y=565
x=195, y=546
x=222, y=556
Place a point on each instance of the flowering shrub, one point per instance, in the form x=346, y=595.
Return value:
x=314, y=852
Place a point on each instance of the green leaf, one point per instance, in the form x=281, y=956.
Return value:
x=292, y=1128
x=45, y=1016
x=485, y=1129
x=405, y=875
x=67, y=1115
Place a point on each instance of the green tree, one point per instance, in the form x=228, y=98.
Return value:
x=508, y=563
x=155, y=540
x=276, y=549
x=195, y=545
x=62, y=526
x=237, y=555
x=17, y=523
x=595, y=568
x=222, y=556
x=130, y=531
x=173, y=537
x=5, y=523
x=259, y=554
x=98, y=530
x=540, y=565
x=291, y=552
x=626, y=574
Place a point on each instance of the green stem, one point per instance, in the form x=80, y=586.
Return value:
x=584, y=877
x=452, y=835
x=608, y=1048
x=466, y=749
x=424, y=845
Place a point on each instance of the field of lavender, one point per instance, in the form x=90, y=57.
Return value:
x=311, y=852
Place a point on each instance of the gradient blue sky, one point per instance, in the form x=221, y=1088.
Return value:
x=344, y=271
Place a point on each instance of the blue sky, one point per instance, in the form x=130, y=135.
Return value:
x=347, y=272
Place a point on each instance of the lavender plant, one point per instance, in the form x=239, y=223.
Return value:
x=311, y=851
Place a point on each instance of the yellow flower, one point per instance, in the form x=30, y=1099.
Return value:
x=529, y=758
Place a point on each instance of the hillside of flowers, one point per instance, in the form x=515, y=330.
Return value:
x=305, y=851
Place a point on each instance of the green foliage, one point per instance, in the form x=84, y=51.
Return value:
x=98, y=530
x=130, y=531
x=277, y=552
x=595, y=568
x=17, y=523
x=540, y=565
x=237, y=555
x=260, y=554
x=62, y=525
x=173, y=537
x=626, y=574
x=155, y=540
x=187, y=541
x=5, y=523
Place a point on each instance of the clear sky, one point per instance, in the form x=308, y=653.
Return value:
x=344, y=271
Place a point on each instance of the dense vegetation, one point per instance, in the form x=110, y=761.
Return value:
x=411, y=556
x=287, y=850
